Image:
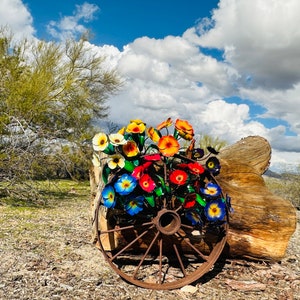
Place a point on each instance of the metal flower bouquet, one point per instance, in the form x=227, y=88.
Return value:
x=148, y=169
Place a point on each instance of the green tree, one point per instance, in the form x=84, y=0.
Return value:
x=49, y=94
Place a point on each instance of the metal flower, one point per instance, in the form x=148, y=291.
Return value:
x=134, y=205
x=116, y=160
x=184, y=129
x=117, y=139
x=213, y=165
x=130, y=149
x=164, y=124
x=153, y=134
x=211, y=190
x=100, y=141
x=136, y=126
x=215, y=210
x=147, y=183
x=178, y=177
x=108, y=195
x=195, y=168
x=168, y=145
x=125, y=184
x=193, y=216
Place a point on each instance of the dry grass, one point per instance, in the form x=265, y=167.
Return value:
x=287, y=187
x=46, y=254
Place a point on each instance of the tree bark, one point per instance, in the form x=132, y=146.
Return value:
x=262, y=223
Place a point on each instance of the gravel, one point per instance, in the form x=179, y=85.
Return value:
x=46, y=253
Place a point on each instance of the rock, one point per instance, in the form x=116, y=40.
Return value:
x=189, y=289
x=246, y=286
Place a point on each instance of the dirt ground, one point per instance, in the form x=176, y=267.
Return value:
x=47, y=254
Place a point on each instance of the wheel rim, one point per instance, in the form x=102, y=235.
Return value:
x=165, y=251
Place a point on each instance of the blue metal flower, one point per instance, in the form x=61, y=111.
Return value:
x=211, y=190
x=108, y=195
x=213, y=165
x=215, y=210
x=194, y=217
x=134, y=205
x=125, y=184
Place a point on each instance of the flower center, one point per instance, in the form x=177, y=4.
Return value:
x=179, y=177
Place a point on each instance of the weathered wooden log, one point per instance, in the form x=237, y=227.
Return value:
x=262, y=223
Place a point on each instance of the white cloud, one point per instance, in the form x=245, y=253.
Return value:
x=280, y=104
x=284, y=161
x=229, y=121
x=15, y=15
x=261, y=39
x=172, y=77
x=71, y=26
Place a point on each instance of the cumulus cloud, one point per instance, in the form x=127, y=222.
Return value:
x=175, y=77
x=259, y=38
x=280, y=104
x=71, y=26
x=16, y=16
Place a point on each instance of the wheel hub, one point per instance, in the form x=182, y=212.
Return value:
x=167, y=221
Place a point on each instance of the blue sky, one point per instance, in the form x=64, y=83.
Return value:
x=231, y=73
x=119, y=22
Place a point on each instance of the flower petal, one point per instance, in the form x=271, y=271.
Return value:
x=215, y=210
x=168, y=145
x=100, y=141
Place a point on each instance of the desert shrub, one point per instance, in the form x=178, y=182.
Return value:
x=287, y=187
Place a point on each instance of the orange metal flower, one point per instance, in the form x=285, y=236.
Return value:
x=164, y=124
x=168, y=145
x=184, y=129
x=130, y=149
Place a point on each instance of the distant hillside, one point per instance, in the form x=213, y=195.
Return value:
x=272, y=174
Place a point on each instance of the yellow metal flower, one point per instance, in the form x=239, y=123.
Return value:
x=100, y=141
x=136, y=126
x=122, y=130
x=153, y=134
x=115, y=161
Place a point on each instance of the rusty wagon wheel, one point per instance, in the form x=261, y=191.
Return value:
x=162, y=252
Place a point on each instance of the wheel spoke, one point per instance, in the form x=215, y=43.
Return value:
x=131, y=243
x=116, y=229
x=160, y=259
x=193, y=247
x=146, y=253
x=187, y=226
x=179, y=260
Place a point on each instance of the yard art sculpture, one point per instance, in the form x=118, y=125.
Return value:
x=162, y=208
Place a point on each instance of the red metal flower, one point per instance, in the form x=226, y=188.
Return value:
x=196, y=168
x=147, y=183
x=178, y=177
